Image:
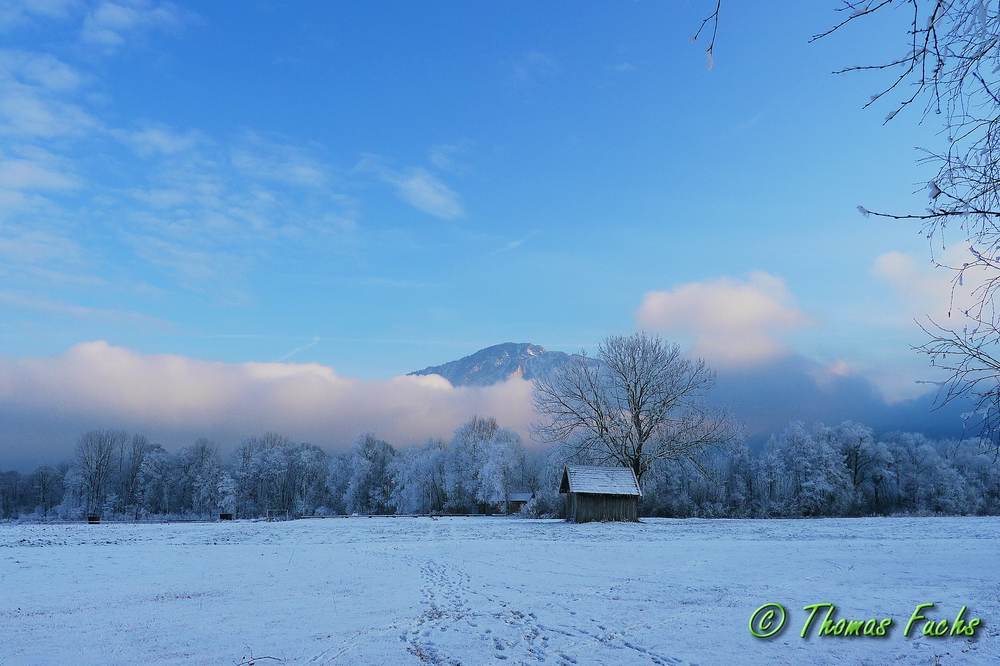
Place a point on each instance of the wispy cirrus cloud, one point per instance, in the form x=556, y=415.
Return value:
x=531, y=67
x=159, y=140
x=206, y=210
x=39, y=170
x=421, y=189
x=418, y=187
x=38, y=100
x=448, y=157
x=514, y=244
x=263, y=159
x=26, y=302
x=42, y=69
x=110, y=24
x=17, y=13
x=21, y=246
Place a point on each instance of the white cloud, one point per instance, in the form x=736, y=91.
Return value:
x=923, y=289
x=22, y=174
x=41, y=69
x=733, y=323
x=206, y=210
x=34, y=102
x=202, y=209
x=421, y=189
x=15, y=13
x=33, y=246
x=418, y=187
x=104, y=315
x=280, y=162
x=110, y=23
x=530, y=67
x=156, y=141
x=514, y=244
x=26, y=111
x=446, y=157
x=174, y=394
x=920, y=291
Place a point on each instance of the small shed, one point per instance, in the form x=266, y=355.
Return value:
x=512, y=502
x=516, y=501
x=600, y=493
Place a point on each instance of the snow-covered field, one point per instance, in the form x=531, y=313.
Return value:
x=491, y=591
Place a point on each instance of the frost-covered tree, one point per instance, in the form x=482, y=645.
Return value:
x=337, y=478
x=738, y=475
x=504, y=469
x=11, y=489
x=547, y=469
x=251, y=472
x=310, y=465
x=199, y=470
x=157, y=481
x=806, y=476
x=464, y=463
x=913, y=456
x=272, y=473
x=640, y=402
x=418, y=477
x=867, y=464
x=228, y=494
x=370, y=484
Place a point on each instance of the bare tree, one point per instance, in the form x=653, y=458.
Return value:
x=131, y=461
x=950, y=64
x=641, y=402
x=45, y=481
x=95, y=457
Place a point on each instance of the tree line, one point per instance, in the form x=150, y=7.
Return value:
x=116, y=474
x=801, y=472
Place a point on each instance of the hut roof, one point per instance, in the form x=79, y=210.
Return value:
x=599, y=480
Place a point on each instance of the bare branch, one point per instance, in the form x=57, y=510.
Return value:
x=638, y=402
x=951, y=63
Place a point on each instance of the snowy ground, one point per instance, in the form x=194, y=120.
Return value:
x=491, y=591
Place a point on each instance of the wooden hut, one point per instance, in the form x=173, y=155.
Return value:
x=600, y=493
x=512, y=502
x=516, y=501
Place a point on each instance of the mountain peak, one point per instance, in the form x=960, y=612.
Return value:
x=495, y=364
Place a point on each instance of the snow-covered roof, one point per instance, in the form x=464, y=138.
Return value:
x=599, y=480
x=513, y=497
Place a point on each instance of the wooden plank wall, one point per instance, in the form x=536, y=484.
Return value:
x=588, y=507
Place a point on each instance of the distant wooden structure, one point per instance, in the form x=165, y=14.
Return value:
x=511, y=502
x=516, y=501
x=600, y=493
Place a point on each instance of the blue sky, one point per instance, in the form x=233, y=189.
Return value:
x=340, y=193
